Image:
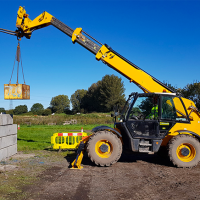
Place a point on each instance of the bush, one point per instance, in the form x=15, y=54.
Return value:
x=20, y=109
x=2, y=110
x=46, y=112
x=37, y=108
x=10, y=112
x=93, y=118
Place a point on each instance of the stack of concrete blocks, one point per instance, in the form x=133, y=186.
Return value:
x=8, y=136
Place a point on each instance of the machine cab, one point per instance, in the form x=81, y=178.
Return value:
x=152, y=115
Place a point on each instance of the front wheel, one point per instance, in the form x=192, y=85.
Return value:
x=104, y=148
x=184, y=151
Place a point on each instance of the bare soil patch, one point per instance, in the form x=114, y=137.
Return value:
x=134, y=176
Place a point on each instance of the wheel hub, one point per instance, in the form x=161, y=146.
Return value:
x=185, y=151
x=104, y=148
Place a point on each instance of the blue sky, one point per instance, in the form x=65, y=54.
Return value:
x=161, y=37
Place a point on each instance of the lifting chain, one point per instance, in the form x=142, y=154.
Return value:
x=18, y=59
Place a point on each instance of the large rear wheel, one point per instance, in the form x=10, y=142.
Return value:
x=104, y=148
x=184, y=151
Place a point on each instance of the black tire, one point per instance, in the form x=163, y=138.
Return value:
x=104, y=158
x=184, y=151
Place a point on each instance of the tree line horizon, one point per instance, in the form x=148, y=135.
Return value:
x=101, y=96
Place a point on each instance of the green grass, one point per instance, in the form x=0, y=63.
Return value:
x=38, y=137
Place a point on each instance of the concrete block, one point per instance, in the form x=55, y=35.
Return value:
x=5, y=119
x=8, y=130
x=8, y=141
x=8, y=151
x=12, y=150
x=3, y=153
x=8, y=136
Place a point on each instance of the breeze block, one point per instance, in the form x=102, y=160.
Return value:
x=8, y=136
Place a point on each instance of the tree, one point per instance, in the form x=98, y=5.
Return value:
x=59, y=103
x=2, y=110
x=46, y=112
x=111, y=92
x=37, y=108
x=104, y=95
x=76, y=99
x=192, y=92
x=146, y=106
x=20, y=109
x=91, y=101
x=10, y=111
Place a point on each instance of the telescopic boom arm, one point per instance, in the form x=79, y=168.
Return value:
x=102, y=52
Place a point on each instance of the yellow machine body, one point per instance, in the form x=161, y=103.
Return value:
x=142, y=79
x=191, y=127
x=27, y=25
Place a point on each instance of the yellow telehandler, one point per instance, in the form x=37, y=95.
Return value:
x=156, y=118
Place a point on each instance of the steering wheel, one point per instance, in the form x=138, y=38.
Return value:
x=141, y=116
x=134, y=117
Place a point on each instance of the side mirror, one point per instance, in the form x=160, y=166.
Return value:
x=114, y=114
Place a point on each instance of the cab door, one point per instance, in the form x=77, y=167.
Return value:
x=142, y=120
x=172, y=112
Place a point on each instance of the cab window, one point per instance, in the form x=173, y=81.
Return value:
x=145, y=108
x=172, y=109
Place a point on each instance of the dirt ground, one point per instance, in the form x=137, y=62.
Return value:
x=134, y=176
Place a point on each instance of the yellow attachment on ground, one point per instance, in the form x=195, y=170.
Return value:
x=67, y=141
x=76, y=34
x=76, y=164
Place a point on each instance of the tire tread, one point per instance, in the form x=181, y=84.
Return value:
x=119, y=146
x=171, y=145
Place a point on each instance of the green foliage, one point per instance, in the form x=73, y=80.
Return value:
x=104, y=95
x=10, y=111
x=146, y=106
x=192, y=92
x=37, y=108
x=2, y=110
x=59, y=119
x=20, y=109
x=135, y=111
x=76, y=99
x=46, y=112
x=68, y=111
x=91, y=101
x=111, y=92
x=59, y=103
